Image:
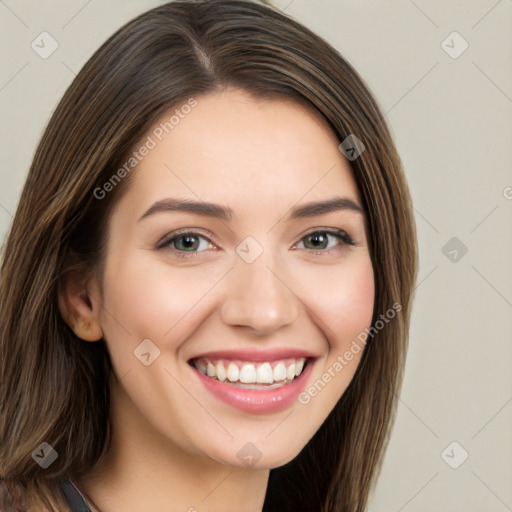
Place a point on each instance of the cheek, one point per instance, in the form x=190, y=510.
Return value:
x=345, y=311
x=356, y=302
x=147, y=299
x=345, y=302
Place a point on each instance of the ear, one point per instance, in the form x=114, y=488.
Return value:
x=80, y=304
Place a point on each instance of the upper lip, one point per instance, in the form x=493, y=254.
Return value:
x=256, y=355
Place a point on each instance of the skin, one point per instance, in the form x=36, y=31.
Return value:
x=174, y=444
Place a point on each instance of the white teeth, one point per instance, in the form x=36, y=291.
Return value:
x=210, y=369
x=265, y=374
x=290, y=372
x=232, y=373
x=251, y=373
x=248, y=374
x=221, y=371
x=280, y=372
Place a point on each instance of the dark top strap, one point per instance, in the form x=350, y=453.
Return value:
x=73, y=496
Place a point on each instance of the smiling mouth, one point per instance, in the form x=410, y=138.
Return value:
x=263, y=376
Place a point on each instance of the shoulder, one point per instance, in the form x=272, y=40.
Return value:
x=8, y=497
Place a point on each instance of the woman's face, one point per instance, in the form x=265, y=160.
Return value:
x=246, y=297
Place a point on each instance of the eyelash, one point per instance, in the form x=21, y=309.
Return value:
x=168, y=240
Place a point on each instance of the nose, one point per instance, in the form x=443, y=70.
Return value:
x=258, y=298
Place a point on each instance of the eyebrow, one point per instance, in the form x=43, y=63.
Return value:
x=218, y=211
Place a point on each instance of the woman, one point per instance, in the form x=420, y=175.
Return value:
x=164, y=346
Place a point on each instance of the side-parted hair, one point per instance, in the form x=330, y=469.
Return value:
x=55, y=387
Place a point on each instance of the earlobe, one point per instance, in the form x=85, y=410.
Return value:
x=79, y=305
x=90, y=331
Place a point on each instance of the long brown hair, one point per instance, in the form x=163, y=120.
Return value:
x=55, y=389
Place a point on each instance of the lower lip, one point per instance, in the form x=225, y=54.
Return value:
x=256, y=401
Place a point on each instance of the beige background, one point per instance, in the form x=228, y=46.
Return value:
x=451, y=118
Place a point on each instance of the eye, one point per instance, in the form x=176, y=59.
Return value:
x=318, y=241
x=185, y=244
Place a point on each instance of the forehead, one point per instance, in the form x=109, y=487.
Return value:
x=235, y=149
